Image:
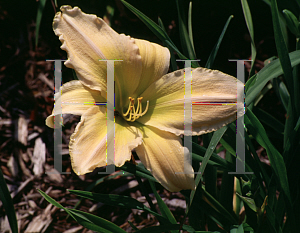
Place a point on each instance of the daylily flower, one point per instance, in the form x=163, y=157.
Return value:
x=149, y=103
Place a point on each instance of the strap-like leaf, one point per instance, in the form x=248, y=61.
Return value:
x=95, y=223
x=39, y=15
x=215, y=50
x=8, y=204
x=138, y=171
x=269, y=72
x=276, y=159
x=115, y=200
x=248, y=19
x=158, y=31
x=183, y=32
x=87, y=220
x=212, y=145
x=165, y=211
x=283, y=52
x=292, y=22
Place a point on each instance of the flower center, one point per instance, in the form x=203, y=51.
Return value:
x=134, y=113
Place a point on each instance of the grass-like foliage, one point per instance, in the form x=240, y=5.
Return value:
x=268, y=196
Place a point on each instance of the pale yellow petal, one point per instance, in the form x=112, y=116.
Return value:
x=162, y=153
x=87, y=39
x=88, y=142
x=127, y=138
x=155, y=60
x=73, y=98
x=209, y=87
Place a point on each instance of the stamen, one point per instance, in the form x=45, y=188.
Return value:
x=146, y=109
x=129, y=107
x=134, y=113
x=129, y=119
x=139, y=107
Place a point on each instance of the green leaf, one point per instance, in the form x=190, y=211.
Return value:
x=145, y=193
x=133, y=226
x=265, y=90
x=250, y=82
x=248, y=19
x=95, y=183
x=280, y=209
x=215, y=161
x=229, y=142
x=248, y=201
x=269, y=120
x=215, y=50
x=95, y=223
x=138, y=171
x=292, y=22
x=276, y=159
x=284, y=94
x=190, y=28
x=228, y=146
x=292, y=140
x=110, y=199
x=174, y=48
x=167, y=228
x=297, y=81
x=165, y=211
x=39, y=15
x=87, y=220
x=272, y=70
x=283, y=52
x=229, y=216
x=227, y=186
x=242, y=228
x=247, y=227
x=199, y=153
x=184, y=36
x=115, y=200
x=259, y=166
x=158, y=31
x=281, y=91
x=210, y=179
x=239, y=229
x=8, y=204
x=289, y=126
x=52, y=201
x=212, y=145
x=273, y=223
